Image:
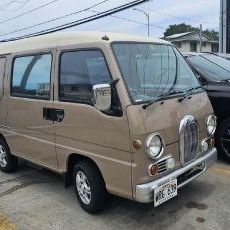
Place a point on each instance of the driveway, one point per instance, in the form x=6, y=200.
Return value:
x=35, y=198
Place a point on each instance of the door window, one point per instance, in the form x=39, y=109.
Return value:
x=31, y=76
x=79, y=72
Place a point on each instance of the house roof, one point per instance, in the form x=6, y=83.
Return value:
x=189, y=36
x=69, y=38
x=177, y=35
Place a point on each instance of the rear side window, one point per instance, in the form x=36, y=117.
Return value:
x=79, y=72
x=31, y=76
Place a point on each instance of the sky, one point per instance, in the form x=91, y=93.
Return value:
x=14, y=15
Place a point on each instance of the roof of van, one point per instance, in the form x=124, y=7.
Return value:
x=68, y=38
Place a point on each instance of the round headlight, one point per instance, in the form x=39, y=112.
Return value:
x=155, y=146
x=211, y=125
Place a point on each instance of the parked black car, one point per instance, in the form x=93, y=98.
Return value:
x=226, y=56
x=214, y=73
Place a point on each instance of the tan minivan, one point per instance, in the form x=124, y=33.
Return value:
x=113, y=113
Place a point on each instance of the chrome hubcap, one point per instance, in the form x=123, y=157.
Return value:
x=3, y=160
x=83, y=187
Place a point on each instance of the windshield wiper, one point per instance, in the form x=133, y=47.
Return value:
x=161, y=97
x=189, y=92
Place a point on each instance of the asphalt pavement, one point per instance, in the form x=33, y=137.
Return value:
x=34, y=198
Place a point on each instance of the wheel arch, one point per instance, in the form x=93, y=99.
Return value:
x=71, y=161
x=2, y=137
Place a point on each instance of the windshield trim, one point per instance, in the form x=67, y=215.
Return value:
x=154, y=43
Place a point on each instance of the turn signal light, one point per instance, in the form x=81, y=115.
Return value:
x=153, y=170
x=137, y=144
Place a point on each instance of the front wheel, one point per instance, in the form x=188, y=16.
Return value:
x=90, y=187
x=223, y=139
x=8, y=162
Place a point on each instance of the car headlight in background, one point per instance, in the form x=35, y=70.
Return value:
x=211, y=125
x=155, y=146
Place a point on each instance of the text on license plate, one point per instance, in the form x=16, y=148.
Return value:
x=165, y=192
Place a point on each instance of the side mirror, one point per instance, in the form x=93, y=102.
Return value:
x=102, y=97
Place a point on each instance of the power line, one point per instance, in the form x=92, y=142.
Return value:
x=55, y=19
x=4, y=7
x=202, y=3
x=131, y=20
x=99, y=15
x=20, y=7
x=7, y=4
x=87, y=9
x=82, y=21
x=28, y=12
x=180, y=18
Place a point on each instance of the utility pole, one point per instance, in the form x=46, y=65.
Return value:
x=201, y=38
x=221, y=29
x=224, y=40
x=148, y=18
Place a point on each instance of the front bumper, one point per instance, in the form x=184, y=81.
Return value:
x=145, y=192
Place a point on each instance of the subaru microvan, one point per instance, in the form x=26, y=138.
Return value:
x=112, y=113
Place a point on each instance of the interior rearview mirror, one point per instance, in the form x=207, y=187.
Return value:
x=102, y=97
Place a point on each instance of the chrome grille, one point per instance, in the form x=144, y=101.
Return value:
x=162, y=166
x=189, y=136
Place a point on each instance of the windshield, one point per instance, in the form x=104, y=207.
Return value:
x=213, y=71
x=150, y=70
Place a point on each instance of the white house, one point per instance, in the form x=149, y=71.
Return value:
x=190, y=42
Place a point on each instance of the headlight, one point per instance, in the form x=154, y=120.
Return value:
x=155, y=146
x=211, y=125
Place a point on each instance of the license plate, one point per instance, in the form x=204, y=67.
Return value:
x=165, y=192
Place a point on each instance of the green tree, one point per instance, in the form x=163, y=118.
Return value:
x=214, y=35
x=179, y=28
x=182, y=28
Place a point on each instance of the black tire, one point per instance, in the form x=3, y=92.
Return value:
x=10, y=160
x=99, y=194
x=222, y=137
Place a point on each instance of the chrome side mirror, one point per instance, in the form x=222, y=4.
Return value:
x=102, y=97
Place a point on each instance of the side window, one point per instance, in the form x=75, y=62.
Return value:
x=2, y=73
x=31, y=76
x=79, y=72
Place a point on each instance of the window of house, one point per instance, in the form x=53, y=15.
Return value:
x=193, y=47
x=179, y=45
x=31, y=76
x=204, y=44
x=215, y=48
x=79, y=72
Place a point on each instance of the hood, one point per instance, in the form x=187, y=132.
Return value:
x=165, y=117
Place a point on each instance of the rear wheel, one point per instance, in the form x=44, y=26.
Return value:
x=223, y=139
x=90, y=187
x=8, y=162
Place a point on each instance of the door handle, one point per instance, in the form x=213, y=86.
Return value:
x=53, y=114
x=60, y=115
